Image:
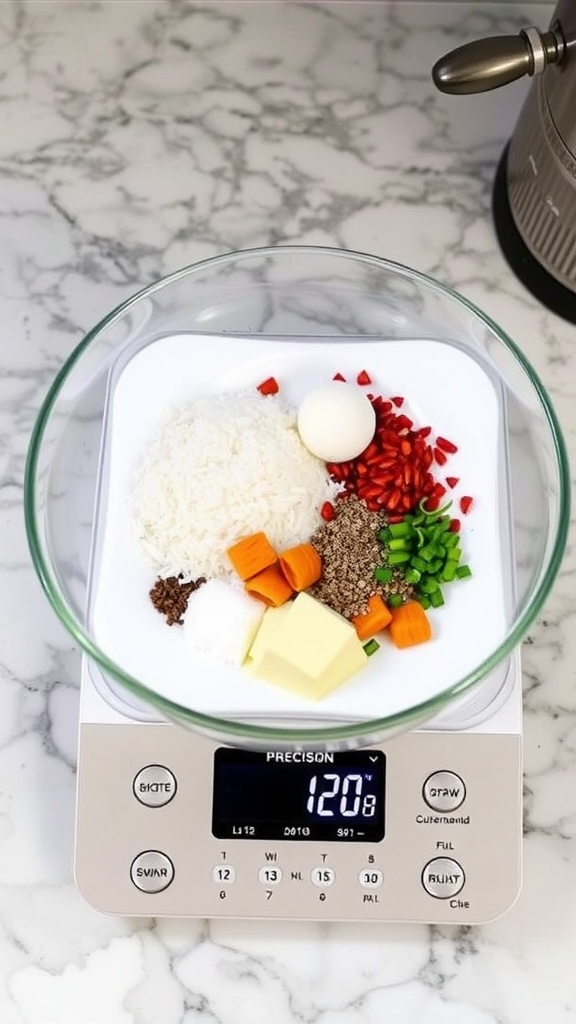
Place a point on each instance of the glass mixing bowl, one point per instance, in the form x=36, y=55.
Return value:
x=296, y=291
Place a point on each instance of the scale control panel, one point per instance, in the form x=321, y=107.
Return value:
x=424, y=828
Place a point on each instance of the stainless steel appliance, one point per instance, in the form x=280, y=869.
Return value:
x=534, y=197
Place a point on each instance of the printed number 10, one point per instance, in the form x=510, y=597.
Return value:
x=349, y=789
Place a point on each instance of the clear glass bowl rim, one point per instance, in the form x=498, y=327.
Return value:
x=245, y=731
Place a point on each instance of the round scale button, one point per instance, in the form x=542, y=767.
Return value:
x=444, y=791
x=154, y=785
x=224, y=874
x=443, y=878
x=370, y=878
x=270, y=875
x=323, y=877
x=152, y=871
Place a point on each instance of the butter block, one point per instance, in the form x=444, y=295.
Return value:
x=267, y=630
x=311, y=650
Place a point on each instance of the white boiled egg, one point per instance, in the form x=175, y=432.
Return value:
x=336, y=421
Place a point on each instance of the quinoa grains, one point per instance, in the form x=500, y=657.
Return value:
x=350, y=553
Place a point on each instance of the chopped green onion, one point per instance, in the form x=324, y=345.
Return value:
x=383, y=574
x=371, y=647
x=429, y=585
x=384, y=535
x=412, y=575
x=424, y=601
x=435, y=513
x=463, y=572
x=451, y=540
x=420, y=535
x=398, y=557
x=449, y=572
x=398, y=544
x=419, y=564
x=394, y=600
x=427, y=553
x=437, y=598
x=402, y=529
x=454, y=554
x=442, y=526
x=435, y=565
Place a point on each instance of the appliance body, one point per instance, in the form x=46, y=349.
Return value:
x=534, y=199
x=160, y=834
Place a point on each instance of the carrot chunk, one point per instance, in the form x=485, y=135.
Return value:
x=374, y=620
x=251, y=554
x=302, y=566
x=410, y=625
x=269, y=586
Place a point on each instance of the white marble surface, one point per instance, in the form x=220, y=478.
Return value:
x=137, y=137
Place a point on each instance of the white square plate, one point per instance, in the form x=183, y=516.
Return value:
x=442, y=385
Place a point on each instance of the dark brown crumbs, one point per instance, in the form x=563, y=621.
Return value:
x=170, y=596
x=350, y=552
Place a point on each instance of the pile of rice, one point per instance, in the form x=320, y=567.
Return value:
x=223, y=467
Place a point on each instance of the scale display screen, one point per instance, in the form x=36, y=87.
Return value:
x=302, y=795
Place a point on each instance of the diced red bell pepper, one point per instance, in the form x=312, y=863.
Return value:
x=269, y=386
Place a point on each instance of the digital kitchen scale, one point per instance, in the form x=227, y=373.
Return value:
x=423, y=827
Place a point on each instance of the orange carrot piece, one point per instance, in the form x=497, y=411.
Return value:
x=374, y=620
x=302, y=566
x=251, y=554
x=269, y=586
x=410, y=625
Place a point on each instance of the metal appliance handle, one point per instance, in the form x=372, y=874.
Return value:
x=489, y=63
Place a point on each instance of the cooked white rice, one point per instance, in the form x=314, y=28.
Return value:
x=225, y=466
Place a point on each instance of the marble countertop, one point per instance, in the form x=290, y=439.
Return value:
x=138, y=137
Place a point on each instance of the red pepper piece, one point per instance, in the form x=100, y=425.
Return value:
x=338, y=376
x=363, y=379
x=466, y=504
x=327, y=511
x=269, y=386
x=424, y=431
x=452, y=481
x=446, y=446
x=440, y=456
x=395, y=519
x=404, y=423
x=455, y=526
x=432, y=503
x=398, y=400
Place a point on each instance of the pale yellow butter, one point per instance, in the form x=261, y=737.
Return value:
x=309, y=650
x=267, y=630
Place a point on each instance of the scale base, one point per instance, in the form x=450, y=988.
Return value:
x=138, y=857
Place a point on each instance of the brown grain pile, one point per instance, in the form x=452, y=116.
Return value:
x=350, y=553
x=170, y=596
